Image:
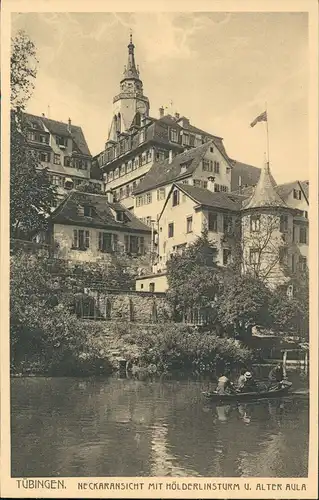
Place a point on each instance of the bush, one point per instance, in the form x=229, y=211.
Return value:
x=172, y=348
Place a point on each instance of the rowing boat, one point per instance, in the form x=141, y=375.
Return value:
x=247, y=396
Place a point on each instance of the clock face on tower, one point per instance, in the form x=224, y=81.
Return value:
x=141, y=107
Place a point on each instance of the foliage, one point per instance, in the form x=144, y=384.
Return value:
x=193, y=276
x=182, y=348
x=31, y=195
x=23, y=69
x=291, y=314
x=244, y=303
x=44, y=335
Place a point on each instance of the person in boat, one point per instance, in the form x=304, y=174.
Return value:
x=241, y=380
x=224, y=385
x=276, y=377
x=249, y=384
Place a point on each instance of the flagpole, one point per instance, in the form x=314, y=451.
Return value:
x=267, y=134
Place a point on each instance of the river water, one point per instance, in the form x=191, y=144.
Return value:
x=120, y=427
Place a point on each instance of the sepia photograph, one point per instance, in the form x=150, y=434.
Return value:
x=161, y=201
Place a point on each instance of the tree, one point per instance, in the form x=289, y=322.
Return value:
x=290, y=313
x=243, y=303
x=193, y=276
x=23, y=70
x=31, y=195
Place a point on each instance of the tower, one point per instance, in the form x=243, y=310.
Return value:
x=130, y=104
x=266, y=236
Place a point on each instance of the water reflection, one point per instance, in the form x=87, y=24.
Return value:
x=98, y=427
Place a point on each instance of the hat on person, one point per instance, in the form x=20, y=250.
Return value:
x=248, y=375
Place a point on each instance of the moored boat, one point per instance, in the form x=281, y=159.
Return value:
x=247, y=396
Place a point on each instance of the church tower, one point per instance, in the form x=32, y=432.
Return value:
x=130, y=104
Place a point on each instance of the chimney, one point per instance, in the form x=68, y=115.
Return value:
x=170, y=156
x=69, y=125
x=239, y=183
x=43, y=115
x=110, y=196
x=177, y=115
x=161, y=112
x=211, y=183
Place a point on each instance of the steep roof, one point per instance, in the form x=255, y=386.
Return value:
x=60, y=128
x=265, y=193
x=203, y=196
x=102, y=217
x=248, y=173
x=305, y=187
x=162, y=173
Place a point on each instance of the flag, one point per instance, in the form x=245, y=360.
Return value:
x=260, y=118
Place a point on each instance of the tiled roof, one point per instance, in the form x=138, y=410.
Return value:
x=102, y=217
x=202, y=196
x=285, y=189
x=248, y=173
x=61, y=128
x=164, y=172
x=265, y=194
x=305, y=187
x=68, y=171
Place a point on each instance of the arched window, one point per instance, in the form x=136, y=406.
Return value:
x=118, y=122
x=115, y=123
x=108, y=309
x=154, y=313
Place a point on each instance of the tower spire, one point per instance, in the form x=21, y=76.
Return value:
x=130, y=70
x=265, y=193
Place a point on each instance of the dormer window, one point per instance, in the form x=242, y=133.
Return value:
x=183, y=169
x=61, y=141
x=68, y=183
x=120, y=216
x=88, y=211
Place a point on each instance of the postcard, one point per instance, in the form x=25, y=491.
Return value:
x=159, y=249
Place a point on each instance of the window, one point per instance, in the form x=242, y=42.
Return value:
x=174, y=135
x=212, y=222
x=61, y=141
x=216, y=167
x=119, y=215
x=54, y=203
x=207, y=165
x=139, y=201
x=57, y=159
x=216, y=188
x=67, y=161
x=105, y=242
x=192, y=140
x=149, y=155
x=134, y=244
x=122, y=169
x=226, y=256
x=211, y=149
x=189, y=224
x=302, y=263
x=116, y=173
x=185, y=140
x=81, y=239
x=224, y=188
x=197, y=182
x=297, y=194
x=171, y=230
x=88, y=211
x=57, y=180
x=205, y=184
x=141, y=246
x=228, y=224
x=148, y=198
x=111, y=176
x=127, y=190
x=161, y=194
x=129, y=166
x=44, y=156
x=254, y=223
x=283, y=255
x=283, y=223
x=305, y=214
x=253, y=256
x=44, y=139
x=294, y=234
x=121, y=193
x=303, y=235
x=175, y=200
x=152, y=287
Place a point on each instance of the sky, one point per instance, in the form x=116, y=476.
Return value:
x=217, y=69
